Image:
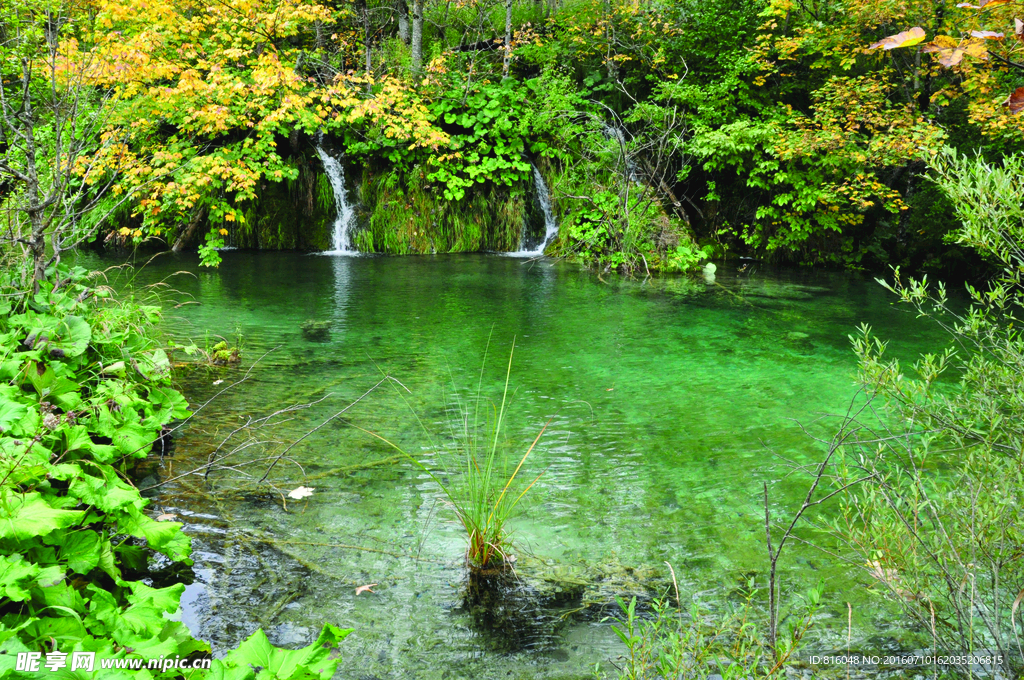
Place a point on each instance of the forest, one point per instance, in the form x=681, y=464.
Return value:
x=542, y=339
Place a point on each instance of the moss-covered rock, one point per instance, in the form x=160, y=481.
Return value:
x=289, y=215
x=405, y=213
x=316, y=331
x=400, y=211
x=397, y=213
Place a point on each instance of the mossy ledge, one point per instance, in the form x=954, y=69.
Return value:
x=404, y=213
x=401, y=211
x=397, y=213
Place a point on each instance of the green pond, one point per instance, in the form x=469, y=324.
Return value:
x=670, y=402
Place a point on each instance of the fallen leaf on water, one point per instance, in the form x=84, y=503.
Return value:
x=165, y=517
x=368, y=588
x=301, y=492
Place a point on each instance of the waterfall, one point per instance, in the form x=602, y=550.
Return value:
x=345, y=213
x=544, y=198
x=550, y=225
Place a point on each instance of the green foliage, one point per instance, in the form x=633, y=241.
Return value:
x=673, y=643
x=86, y=393
x=318, y=661
x=487, y=134
x=687, y=257
x=409, y=215
x=487, y=140
x=939, y=522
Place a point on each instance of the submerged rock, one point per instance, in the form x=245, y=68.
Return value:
x=316, y=331
x=528, y=605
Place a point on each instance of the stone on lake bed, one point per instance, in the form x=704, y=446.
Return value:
x=316, y=331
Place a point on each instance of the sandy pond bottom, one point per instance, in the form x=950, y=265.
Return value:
x=667, y=399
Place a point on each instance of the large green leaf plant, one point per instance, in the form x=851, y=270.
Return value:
x=84, y=392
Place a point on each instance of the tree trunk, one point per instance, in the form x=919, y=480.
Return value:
x=36, y=208
x=677, y=205
x=417, y=36
x=507, y=64
x=37, y=244
x=403, y=20
x=369, y=63
x=186, y=236
x=321, y=39
x=363, y=11
x=441, y=28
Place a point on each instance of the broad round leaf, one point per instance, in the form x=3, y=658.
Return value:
x=74, y=334
x=905, y=39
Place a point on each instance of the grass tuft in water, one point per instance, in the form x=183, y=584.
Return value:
x=484, y=472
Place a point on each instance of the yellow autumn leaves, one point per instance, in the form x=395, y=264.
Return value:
x=201, y=93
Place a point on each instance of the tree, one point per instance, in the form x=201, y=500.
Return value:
x=940, y=523
x=506, y=63
x=417, y=36
x=209, y=90
x=53, y=123
x=402, y=9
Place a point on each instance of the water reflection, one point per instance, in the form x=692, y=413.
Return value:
x=342, y=275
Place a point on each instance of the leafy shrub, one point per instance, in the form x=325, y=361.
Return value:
x=86, y=392
x=939, y=524
x=673, y=643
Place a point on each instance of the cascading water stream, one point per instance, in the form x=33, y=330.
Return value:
x=341, y=240
x=544, y=198
x=550, y=225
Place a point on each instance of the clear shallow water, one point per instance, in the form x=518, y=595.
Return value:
x=666, y=400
